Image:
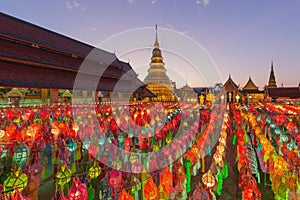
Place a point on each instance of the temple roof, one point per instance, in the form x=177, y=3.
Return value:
x=186, y=87
x=17, y=28
x=32, y=56
x=250, y=85
x=284, y=92
x=230, y=84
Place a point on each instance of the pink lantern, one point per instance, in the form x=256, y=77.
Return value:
x=78, y=190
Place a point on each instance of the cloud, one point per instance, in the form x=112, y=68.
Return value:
x=153, y=1
x=205, y=2
x=131, y=1
x=74, y=4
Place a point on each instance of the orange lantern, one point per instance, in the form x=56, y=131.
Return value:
x=150, y=190
x=125, y=196
x=166, y=180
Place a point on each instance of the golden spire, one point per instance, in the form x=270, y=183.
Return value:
x=156, y=59
x=272, y=81
x=156, y=44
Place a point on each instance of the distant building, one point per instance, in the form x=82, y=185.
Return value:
x=250, y=92
x=187, y=94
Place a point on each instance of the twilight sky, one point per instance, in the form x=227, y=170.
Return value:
x=241, y=37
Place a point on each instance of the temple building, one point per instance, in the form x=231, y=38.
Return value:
x=157, y=80
x=40, y=66
x=232, y=92
x=273, y=92
x=251, y=91
x=186, y=94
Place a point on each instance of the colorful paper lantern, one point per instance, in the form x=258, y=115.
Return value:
x=16, y=181
x=21, y=154
x=78, y=190
x=208, y=179
x=63, y=176
x=125, y=196
x=94, y=171
x=150, y=190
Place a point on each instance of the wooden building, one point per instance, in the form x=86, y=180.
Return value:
x=35, y=58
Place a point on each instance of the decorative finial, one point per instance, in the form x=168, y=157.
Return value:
x=272, y=66
x=156, y=37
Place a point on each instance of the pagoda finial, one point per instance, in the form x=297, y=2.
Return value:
x=272, y=69
x=156, y=44
x=272, y=80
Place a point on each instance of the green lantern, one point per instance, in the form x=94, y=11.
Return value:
x=94, y=171
x=63, y=176
x=16, y=181
x=21, y=154
x=187, y=169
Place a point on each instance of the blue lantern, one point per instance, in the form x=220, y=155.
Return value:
x=71, y=146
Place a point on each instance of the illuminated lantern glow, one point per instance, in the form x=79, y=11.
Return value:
x=55, y=131
x=115, y=178
x=21, y=154
x=208, y=179
x=166, y=180
x=187, y=168
x=150, y=190
x=63, y=176
x=16, y=181
x=94, y=171
x=125, y=196
x=2, y=134
x=78, y=190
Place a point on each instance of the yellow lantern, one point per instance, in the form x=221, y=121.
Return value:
x=94, y=171
x=217, y=158
x=30, y=131
x=55, y=132
x=220, y=149
x=208, y=179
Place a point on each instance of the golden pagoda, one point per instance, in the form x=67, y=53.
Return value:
x=272, y=81
x=157, y=79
